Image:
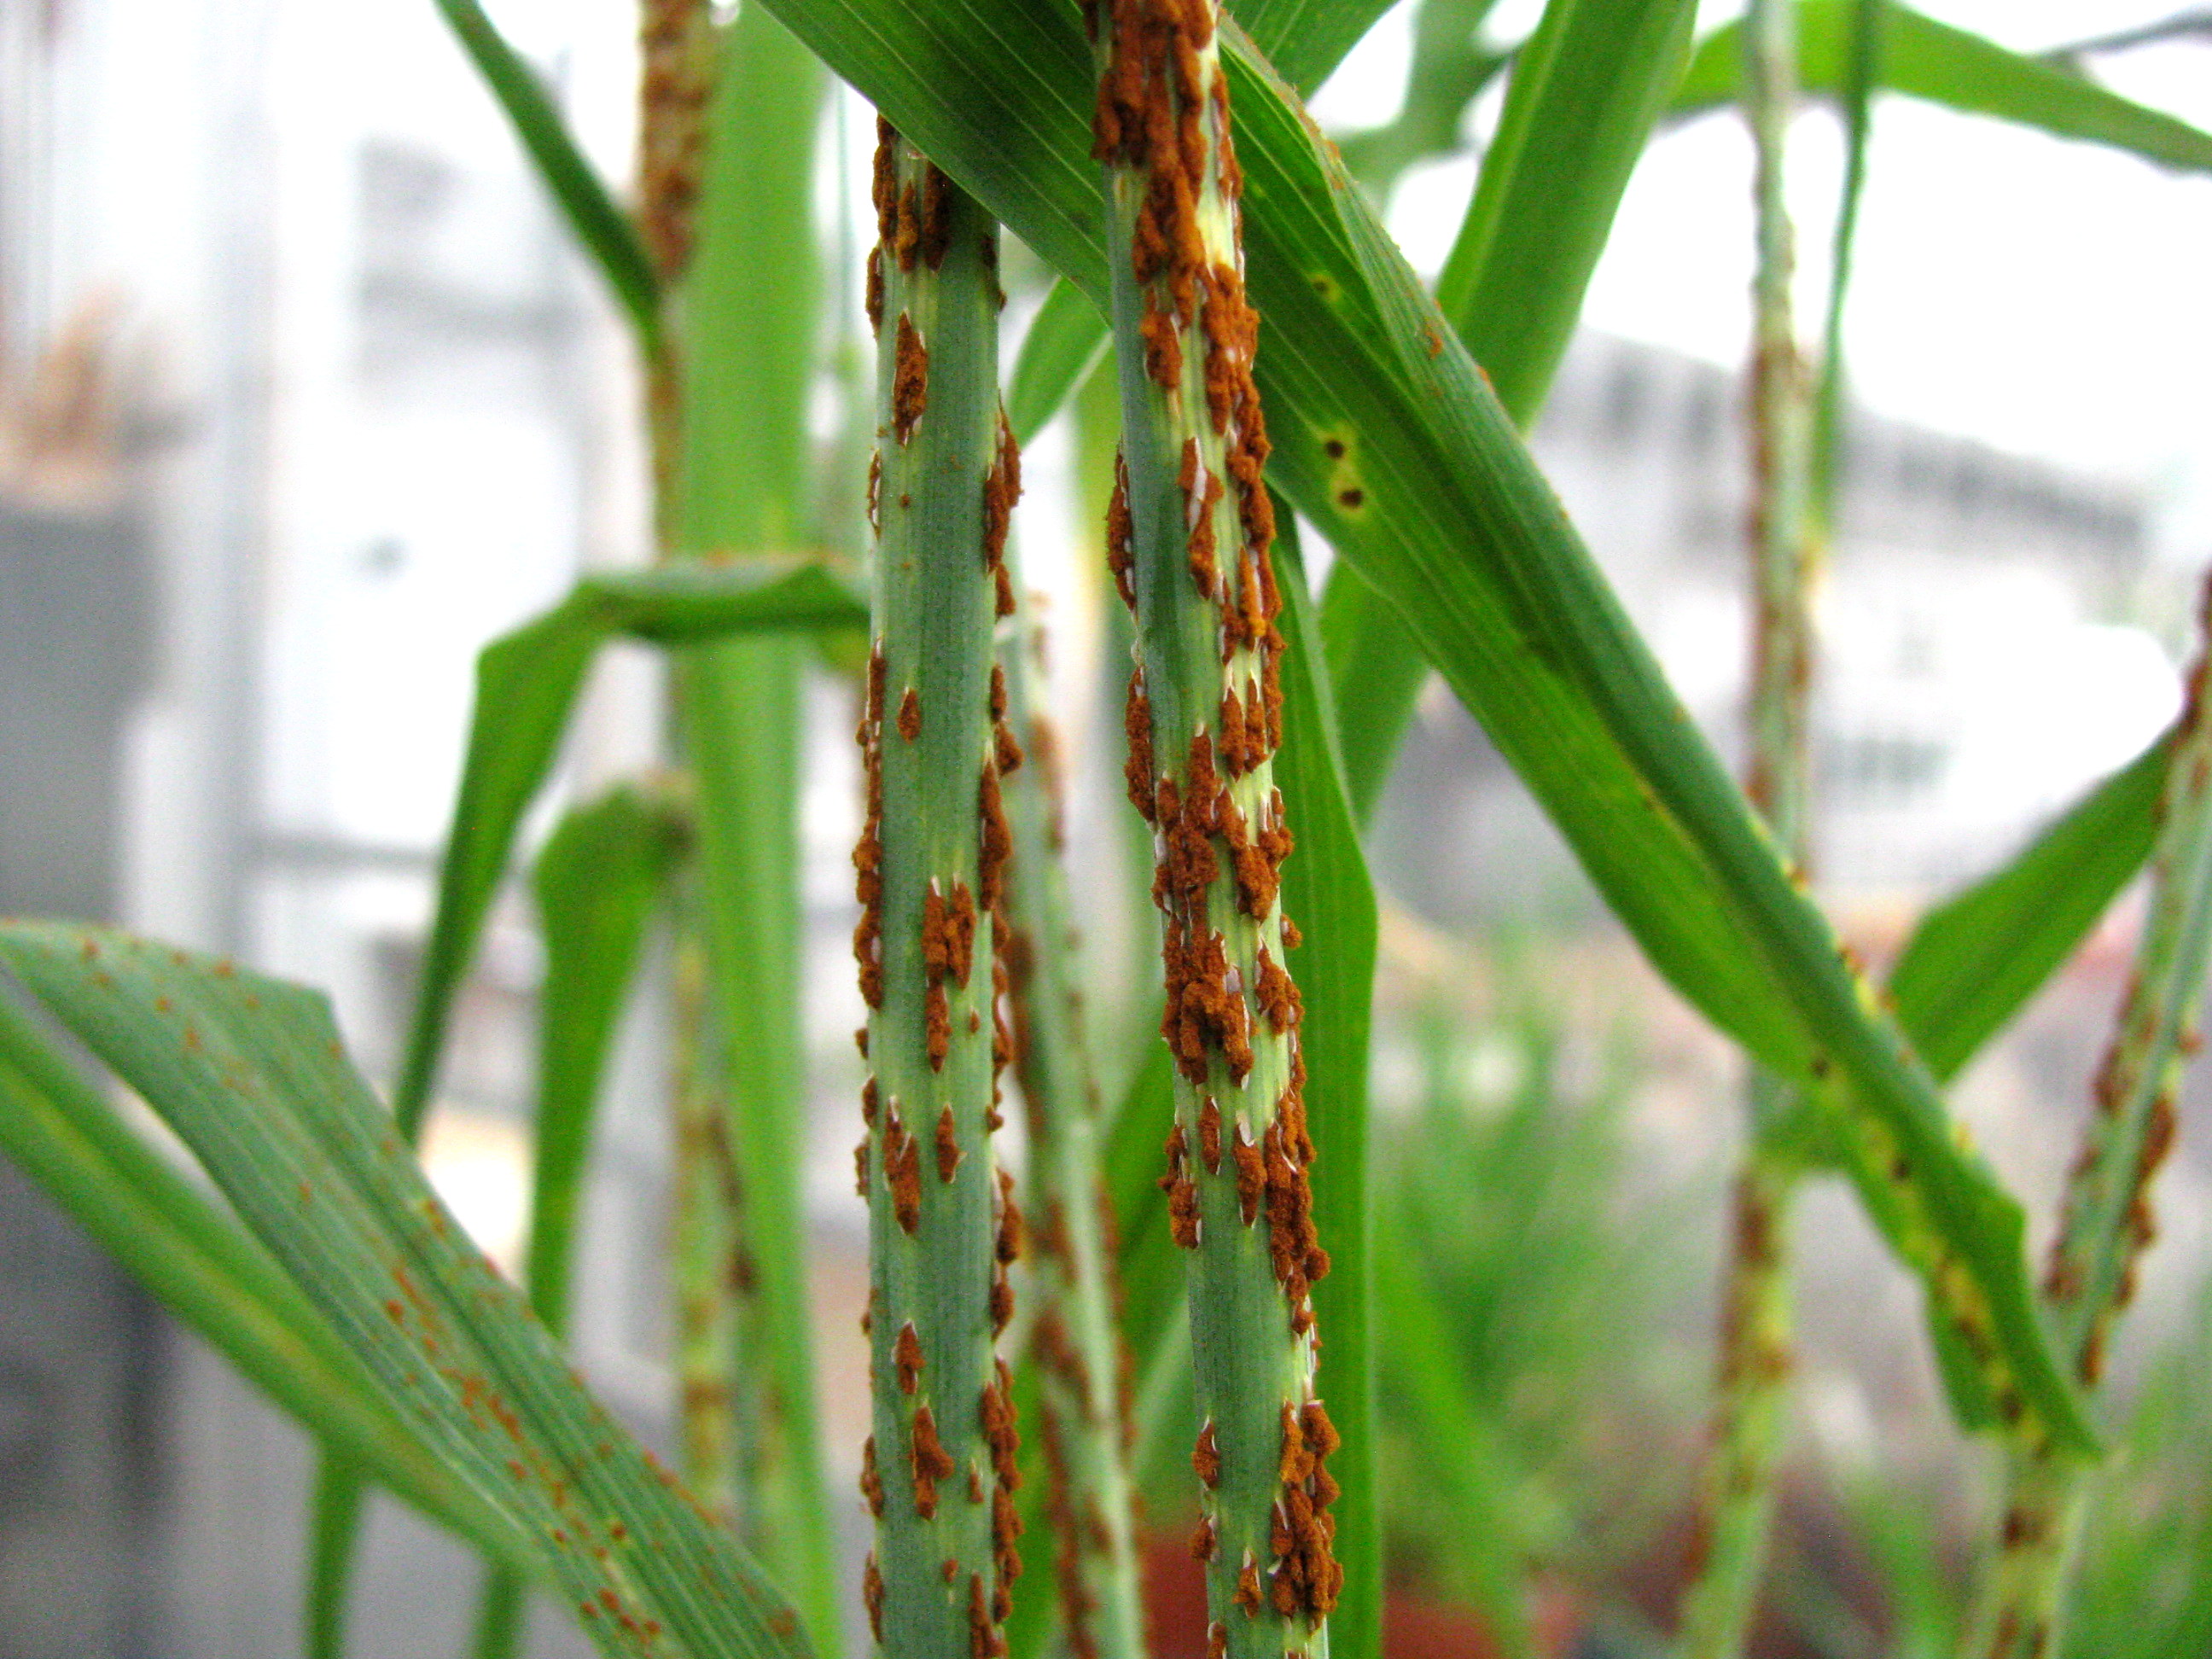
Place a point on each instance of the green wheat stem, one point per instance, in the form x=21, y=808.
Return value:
x=938, y=1470
x=2107, y=1220
x=1083, y=1362
x=710, y=1265
x=1751, y=1411
x=1189, y=537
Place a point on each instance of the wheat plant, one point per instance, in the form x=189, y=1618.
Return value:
x=1210, y=1233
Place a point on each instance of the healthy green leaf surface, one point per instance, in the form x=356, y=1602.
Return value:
x=1452, y=64
x=209, y=1272
x=1066, y=341
x=1308, y=39
x=251, y=1073
x=603, y=872
x=1386, y=436
x=526, y=682
x=1923, y=58
x=1975, y=959
x=1584, y=92
x=604, y=229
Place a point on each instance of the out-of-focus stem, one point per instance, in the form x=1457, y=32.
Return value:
x=1190, y=537
x=713, y=1272
x=1084, y=1379
x=939, y=1471
x=2108, y=1221
x=1735, y=1500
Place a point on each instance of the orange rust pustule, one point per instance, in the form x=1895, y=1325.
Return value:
x=1307, y=1578
x=948, y=934
x=1205, y=1538
x=1206, y=1457
x=948, y=1147
x=875, y=494
x=860, y=1167
x=1247, y=1593
x=1002, y=488
x=1006, y=1551
x=873, y=292
x=868, y=852
x=872, y=1597
x=1251, y=1175
x=909, y=715
x=872, y=1482
x=1209, y=1135
x=995, y=1415
x=932, y=1462
x=1276, y=995
x=995, y=842
x=909, y=381
x=933, y=231
x=1007, y=1244
x=1182, y=1191
x=902, y=1171
x=984, y=1639
x=1200, y=499
x=1122, y=535
x=1137, y=724
x=936, y=1023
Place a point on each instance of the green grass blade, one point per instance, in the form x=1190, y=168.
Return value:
x=1975, y=959
x=1067, y=340
x=1387, y=438
x=603, y=227
x=744, y=483
x=335, y=1514
x=526, y=683
x=1923, y=58
x=251, y=1073
x=1307, y=38
x=1867, y=26
x=211, y=1275
x=1584, y=92
x=602, y=872
x=1451, y=66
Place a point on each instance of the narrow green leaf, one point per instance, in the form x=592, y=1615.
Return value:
x=335, y=1514
x=604, y=229
x=1975, y=959
x=526, y=682
x=1067, y=339
x=251, y=1073
x=1923, y=58
x=601, y=875
x=1308, y=39
x=602, y=872
x=1452, y=64
x=1387, y=438
x=1868, y=26
x=1584, y=92
x=210, y=1273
